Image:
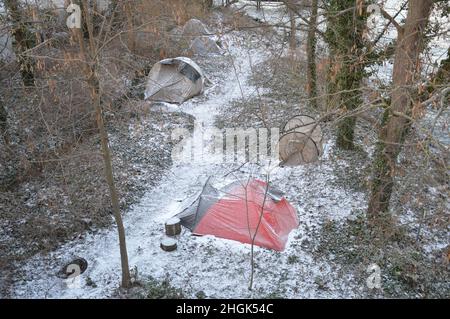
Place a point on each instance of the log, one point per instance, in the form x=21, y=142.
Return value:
x=168, y=244
x=173, y=226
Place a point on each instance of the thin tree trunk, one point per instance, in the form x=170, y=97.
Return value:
x=130, y=26
x=88, y=23
x=292, y=39
x=94, y=86
x=4, y=123
x=311, y=56
x=22, y=42
x=38, y=32
x=405, y=75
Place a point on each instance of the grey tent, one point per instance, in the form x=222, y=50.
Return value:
x=174, y=80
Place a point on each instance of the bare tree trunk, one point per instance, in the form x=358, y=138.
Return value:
x=94, y=86
x=130, y=25
x=4, y=123
x=38, y=29
x=292, y=39
x=22, y=42
x=95, y=93
x=88, y=23
x=311, y=56
x=395, y=126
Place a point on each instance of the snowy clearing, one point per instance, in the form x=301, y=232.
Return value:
x=218, y=267
x=214, y=267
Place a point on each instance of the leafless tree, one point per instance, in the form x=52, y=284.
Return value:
x=90, y=63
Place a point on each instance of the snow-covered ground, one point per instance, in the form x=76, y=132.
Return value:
x=272, y=13
x=144, y=222
x=216, y=267
x=276, y=14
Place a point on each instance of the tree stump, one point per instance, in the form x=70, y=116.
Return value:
x=173, y=227
x=168, y=244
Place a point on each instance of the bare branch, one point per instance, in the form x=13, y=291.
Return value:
x=392, y=20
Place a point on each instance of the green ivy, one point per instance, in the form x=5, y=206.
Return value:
x=344, y=36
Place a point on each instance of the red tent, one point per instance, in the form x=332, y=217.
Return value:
x=237, y=210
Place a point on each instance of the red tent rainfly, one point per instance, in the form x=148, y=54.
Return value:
x=234, y=212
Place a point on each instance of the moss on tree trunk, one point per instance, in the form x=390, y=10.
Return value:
x=311, y=55
x=344, y=36
x=395, y=126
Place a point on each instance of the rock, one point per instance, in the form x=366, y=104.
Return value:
x=204, y=46
x=195, y=28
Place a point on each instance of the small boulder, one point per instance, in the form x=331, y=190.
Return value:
x=204, y=46
x=195, y=28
